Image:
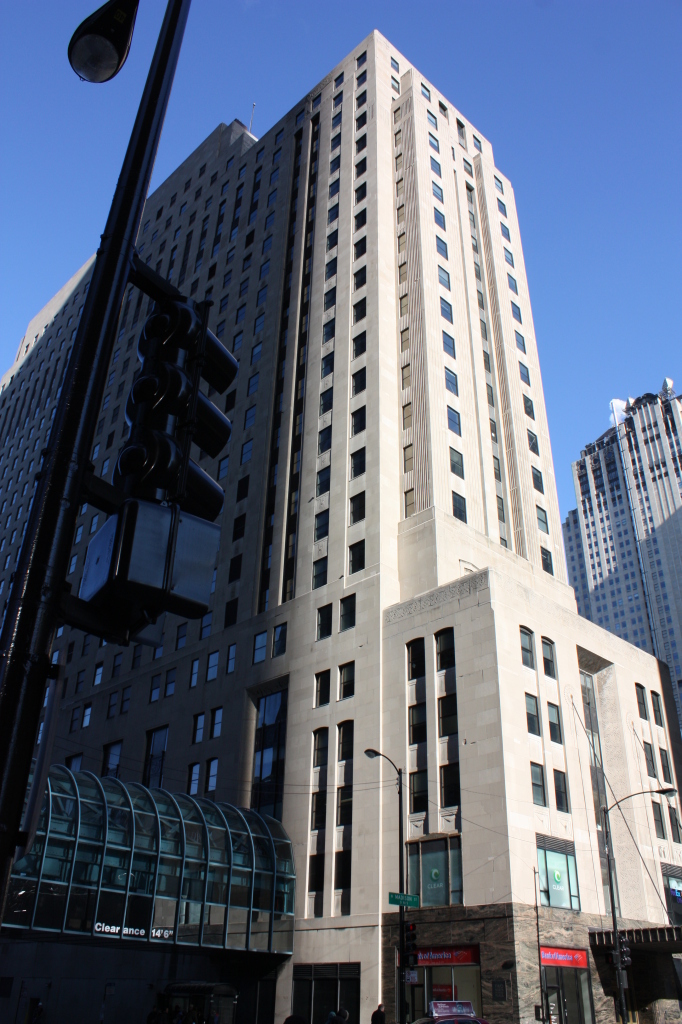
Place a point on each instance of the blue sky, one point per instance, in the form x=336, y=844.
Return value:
x=580, y=100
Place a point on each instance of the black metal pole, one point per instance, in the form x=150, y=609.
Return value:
x=616, y=937
x=33, y=605
x=537, y=929
x=401, y=886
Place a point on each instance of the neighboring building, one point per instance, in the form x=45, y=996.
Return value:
x=391, y=575
x=624, y=542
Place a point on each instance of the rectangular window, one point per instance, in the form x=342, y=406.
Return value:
x=459, y=507
x=547, y=561
x=532, y=716
x=324, y=622
x=500, y=508
x=449, y=785
x=346, y=680
x=451, y=381
x=665, y=767
x=170, y=683
x=437, y=191
x=260, y=642
x=322, y=524
x=435, y=167
x=674, y=824
x=650, y=763
x=198, y=733
x=323, y=481
x=439, y=218
x=322, y=680
x=561, y=791
x=528, y=407
x=558, y=876
x=445, y=309
x=194, y=674
x=520, y=341
x=491, y=398
x=533, y=442
x=279, y=640
x=516, y=313
x=527, y=656
x=456, y=463
x=356, y=557
x=419, y=792
x=444, y=277
x=408, y=458
x=554, y=723
x=449, y=344
x=357, y=463
x=324, y=440
x=658, y=819
x=359, y=311
x=211, y=775
x=154, y=688
x=658, y=711
x=454, y=421
x=548, y=658
x=537, y=775
x=347, y=612
x=231, y=658
x=501, y=207
x=358, y=421
x=524, y=374
x=509, y=258
x=641, y=702
x=320, y=573
x=318, y=815
x=542, y=519
x=511, y=281
x=447, y=715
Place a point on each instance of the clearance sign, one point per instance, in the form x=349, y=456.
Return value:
x=551, y=956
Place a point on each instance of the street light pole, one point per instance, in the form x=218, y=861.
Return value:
x=372, y=753
x=38, y=585
x=620, y=971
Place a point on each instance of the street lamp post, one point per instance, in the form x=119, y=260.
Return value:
x=620, y=986
x=372, y=753
x=97, y=51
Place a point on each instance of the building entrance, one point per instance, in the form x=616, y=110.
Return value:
x=569, y=995
x=450, y=972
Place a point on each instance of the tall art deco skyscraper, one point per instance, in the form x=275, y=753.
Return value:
x=391, y=571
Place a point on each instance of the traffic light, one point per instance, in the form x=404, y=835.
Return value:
x=411, y=958
x=625, y=953
x=157, y=551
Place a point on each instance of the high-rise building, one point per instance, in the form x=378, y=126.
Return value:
x=624, y=541
x=391, y=577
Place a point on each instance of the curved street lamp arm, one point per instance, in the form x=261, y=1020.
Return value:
x=643, y=792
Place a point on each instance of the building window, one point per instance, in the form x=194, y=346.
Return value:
x=231, y=658
x=454, y=421
x=169, y=689
x=419, y=792
x=357, y=508
x=532, y=716
x=154, y=688
x=445, y=649
x=194, y=674
x=324, y=622
x=279, y=640
x=459, y=507
x=650, y=762
x=641, y=702
x=181, y=636
x=347, y=613
x=346, y=680
x=537, y=775
x=554, y=723
x=416, y=719
x=447, y=715
x=533, y=443
x=537, y=480
x=318, y=810
x=269, y=754
x=657, y=707
x=198, y=734
x=319, y=572
x=193, y=778
x=449, y=345
x=211, y=775
x=561, y=791
x=449, y=785
x=524, y=373
x=409, y=503
x=206, y=625
x=665, y=766
x=320, y=747
x=356, y=557
x=558, y=874
x=212, y=666
x=260, y=642
x=435, y=871
x=549, y=664
x=322, y=687
x=547, y=561
x=658, y=820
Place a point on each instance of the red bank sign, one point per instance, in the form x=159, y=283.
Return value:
x=551, y=956
x=455, y=955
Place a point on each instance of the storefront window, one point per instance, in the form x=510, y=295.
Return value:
x=558, y=877
x=435, y=871
x=672, y=881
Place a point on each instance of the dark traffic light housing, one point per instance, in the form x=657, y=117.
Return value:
x=156, y=552
x=411, y=958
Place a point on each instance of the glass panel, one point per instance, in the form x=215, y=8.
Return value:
x=260, y=929
x=138, y=916
x=145, y=831
x=142, y=874
x=544, y=883
x=584, y=996
x=349, y=998
x=241, y=850
x=218, y=846
x=413, y=868
x=218, y=884
x=20, y=899
x=268, y=781
x=557, y=874
x=455, y=871
x=189, y=921
x=441, y=983
x=163, y=927
x=193, y=880
x=81, y=912
x=87, y=866
x=571, y=1001
x=109, y=919
x=115, y=869
x=285, y=857
x=57, y=863
x=51, y=906
x=236, y=927
x=435, y=892
x=573, y=882
x=262, y=890
x=284, y=895
x=240, y=890
x=214, y=925
x=168, y=881
x=170, y=836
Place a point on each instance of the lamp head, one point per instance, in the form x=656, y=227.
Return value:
x=99, y=46
x=372, y=753
x=668, y=791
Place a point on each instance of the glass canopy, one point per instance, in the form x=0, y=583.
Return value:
x=119, y=861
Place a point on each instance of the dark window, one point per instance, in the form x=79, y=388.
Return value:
x=360, y=278
x=318, y=814
x=323, y=480
x=346, y=734
x=554, y=723
x=561, y=791
x=641, y=701
x=356, y=557
x=447, y=715
x=674, y=824
x=445, y=649
x=235, y=568
x=419, y=792
x=347, y=609
x=358, y=420
x=537, y=776
x=417, y=722
x=324, y=621
x=320, y=747
x=316, y=874
x=346, y=680
x=279, y=640
x=456, y=463
x=243, y=488
x=322, y=524
x=537, y=480
x=416, y=659
x=320, y=573
x=528, y=406
x=360, y=247
x=239, y=526
x=527, y=649
x=357, y=508
x=532, y=717
x=329, y=299
x=449, y=785
x=359, y=381
x=357, y=463
x=533, y=442
x=665, y=767
x=650, y=763
x=656, y=705
x=548, y=658
x=322, y=680
x=324, y=440
x=658, y=819
x=359, y=311
x=459, y=507
x=231, y=612
x=326, y=401
x=547, y=561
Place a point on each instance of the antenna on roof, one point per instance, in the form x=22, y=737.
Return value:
x=251, y=121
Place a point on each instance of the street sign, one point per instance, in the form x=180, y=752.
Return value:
x=403, y=899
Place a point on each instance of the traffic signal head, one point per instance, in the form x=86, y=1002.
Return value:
x=167, y=412
x=625, y=954
x=411, y=958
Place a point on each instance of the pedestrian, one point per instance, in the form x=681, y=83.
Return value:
x=379, y=1015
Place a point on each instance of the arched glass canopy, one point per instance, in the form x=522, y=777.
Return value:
x=120, y=861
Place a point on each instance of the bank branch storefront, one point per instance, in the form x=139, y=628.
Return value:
x=444, y=973
x=566, y=979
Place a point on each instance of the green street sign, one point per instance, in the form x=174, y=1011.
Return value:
x=402, y=899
